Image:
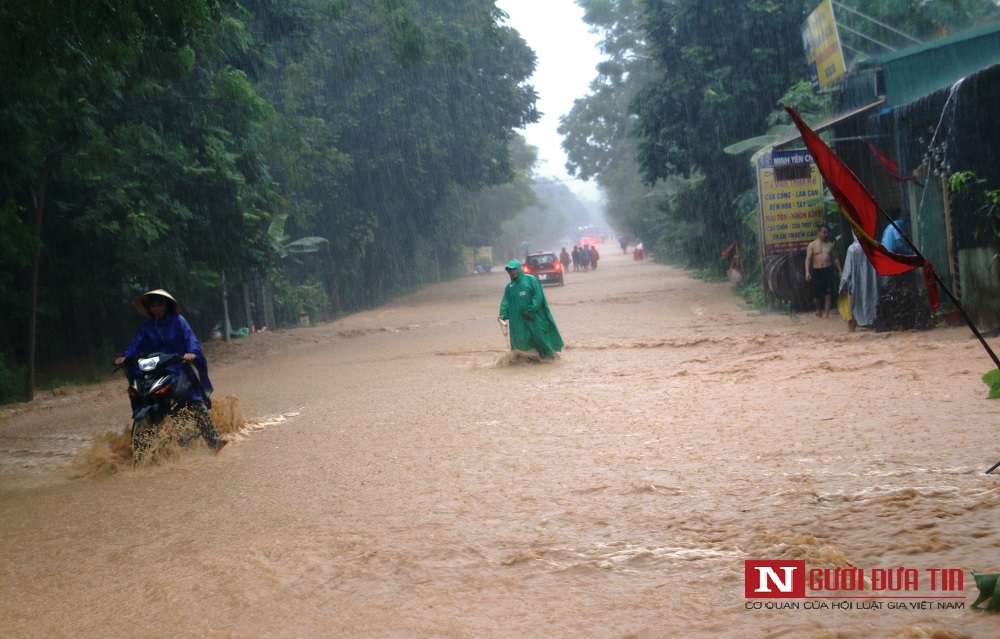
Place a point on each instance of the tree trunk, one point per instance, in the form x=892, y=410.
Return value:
x=248, y=305
x=265, y=293
x=227, y=326
x=268, y=292
x=36, y=259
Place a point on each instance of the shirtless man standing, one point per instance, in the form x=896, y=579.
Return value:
x=819, y=272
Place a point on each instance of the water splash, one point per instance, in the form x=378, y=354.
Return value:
x=935, y=157
x=520, y=358
x=111, y=452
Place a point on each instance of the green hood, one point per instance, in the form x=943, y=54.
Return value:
x=514, y=264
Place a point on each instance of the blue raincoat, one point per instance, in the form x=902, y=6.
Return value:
x=173, y=334
x=531, y=324
x=893, y=241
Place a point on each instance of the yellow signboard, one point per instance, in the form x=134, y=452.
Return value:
x=822, y=44
x=469, y=259
x=477, y=259
x=791, y=206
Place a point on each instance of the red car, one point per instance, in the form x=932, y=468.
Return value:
x=546, y=267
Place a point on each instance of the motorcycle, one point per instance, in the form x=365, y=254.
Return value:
x=155, y=392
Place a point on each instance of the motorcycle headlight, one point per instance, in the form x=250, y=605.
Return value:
x=149, y=363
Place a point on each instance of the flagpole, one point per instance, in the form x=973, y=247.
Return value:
x=947, y=291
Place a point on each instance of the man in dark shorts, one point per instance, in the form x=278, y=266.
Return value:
x=820, y=260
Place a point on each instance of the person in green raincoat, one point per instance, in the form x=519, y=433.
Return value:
x=531, y=325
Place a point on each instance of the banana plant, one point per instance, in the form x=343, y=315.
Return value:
x=284, y=244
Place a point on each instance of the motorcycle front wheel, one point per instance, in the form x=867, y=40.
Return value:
x=144, y=433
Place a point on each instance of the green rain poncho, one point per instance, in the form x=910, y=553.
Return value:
x=531, y=325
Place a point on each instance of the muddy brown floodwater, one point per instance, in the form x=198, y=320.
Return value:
x=399, y=475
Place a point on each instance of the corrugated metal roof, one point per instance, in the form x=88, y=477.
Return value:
x=962, y=37
x=919, y=70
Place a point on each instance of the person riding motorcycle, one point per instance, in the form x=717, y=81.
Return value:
x=167, y=331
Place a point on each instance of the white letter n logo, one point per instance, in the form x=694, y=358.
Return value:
x=774, y=579
x=767, y=574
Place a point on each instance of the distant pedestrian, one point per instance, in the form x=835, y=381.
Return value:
x=576, y=257
x=564, y=259
x=594, y=256
x=585, y=257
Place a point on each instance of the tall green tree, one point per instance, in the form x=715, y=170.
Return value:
x=428, y=104
x=722, y=66
x=91, y=92
x=153, y=144
x=685, y=79
x=485, y=210
x=598, y=133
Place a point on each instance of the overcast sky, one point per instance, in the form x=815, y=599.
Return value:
x=567, y=55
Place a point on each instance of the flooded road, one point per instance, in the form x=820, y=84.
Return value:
x=400, y=476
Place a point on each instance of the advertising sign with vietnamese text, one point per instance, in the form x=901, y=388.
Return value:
x=791, y=205
x=822, y=45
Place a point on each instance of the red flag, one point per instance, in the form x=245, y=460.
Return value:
x=861, y=210
x=889, y=165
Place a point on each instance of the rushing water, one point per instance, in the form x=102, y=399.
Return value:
x=400, y=474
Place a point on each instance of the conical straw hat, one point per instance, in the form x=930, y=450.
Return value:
x=140, y=302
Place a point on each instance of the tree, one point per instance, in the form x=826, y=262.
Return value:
x=83, y=89
x=721, y=69
x=428, y=108
x=484, y=211
x=159, y=140
x=599, y=131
